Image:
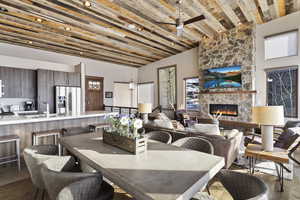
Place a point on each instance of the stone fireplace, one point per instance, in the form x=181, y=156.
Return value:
x=225, y=109
x=235, y=47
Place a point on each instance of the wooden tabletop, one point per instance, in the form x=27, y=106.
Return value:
x=278, y=155
x=164, y=172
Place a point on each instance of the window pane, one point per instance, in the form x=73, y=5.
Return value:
x=146, y=93
x=282, y=45
x=192, y=94
x=282, y=89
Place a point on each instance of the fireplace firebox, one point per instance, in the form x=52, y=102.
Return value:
x=225, y=109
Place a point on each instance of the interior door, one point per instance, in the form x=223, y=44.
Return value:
x=93, y=93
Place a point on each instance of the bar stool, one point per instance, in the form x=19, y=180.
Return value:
x=56, y=133
x=16, y=157
x=95, y=127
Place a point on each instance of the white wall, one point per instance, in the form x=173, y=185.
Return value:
x=187, y=66
x=23, y=57
x=287, y=23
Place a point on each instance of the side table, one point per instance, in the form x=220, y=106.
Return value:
x=278, y=156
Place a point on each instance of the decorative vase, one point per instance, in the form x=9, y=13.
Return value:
x=215, y=121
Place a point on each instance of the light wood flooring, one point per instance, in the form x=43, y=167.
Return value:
x=17, y=186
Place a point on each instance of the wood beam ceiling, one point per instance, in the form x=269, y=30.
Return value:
x=126, y=32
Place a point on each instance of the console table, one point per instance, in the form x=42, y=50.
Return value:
x=278, y=156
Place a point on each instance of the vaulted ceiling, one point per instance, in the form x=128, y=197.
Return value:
x=124, y=31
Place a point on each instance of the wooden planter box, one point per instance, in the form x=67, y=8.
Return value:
x=134, y=146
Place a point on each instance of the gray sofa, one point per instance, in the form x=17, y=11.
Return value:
x=227, y=148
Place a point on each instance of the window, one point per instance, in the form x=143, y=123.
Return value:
x=281, y=45
x=124, y=96
x=282, y=89
x=146, y=93
x=192, y=94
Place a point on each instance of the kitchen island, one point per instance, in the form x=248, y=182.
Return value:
x=24, y=125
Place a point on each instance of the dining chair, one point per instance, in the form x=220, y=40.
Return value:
x=64, y=182
x=195, y=143
x=160, y=136
x=34, y=158
x=243, y=186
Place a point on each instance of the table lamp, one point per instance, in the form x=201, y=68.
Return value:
x=145, y=109
x=267, y=117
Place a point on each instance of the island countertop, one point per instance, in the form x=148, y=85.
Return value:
x=24, y=119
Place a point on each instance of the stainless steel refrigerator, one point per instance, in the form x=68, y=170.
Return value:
x=68, y=100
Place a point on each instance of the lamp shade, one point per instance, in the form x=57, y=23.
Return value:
x=268, y=115
x=145, y=107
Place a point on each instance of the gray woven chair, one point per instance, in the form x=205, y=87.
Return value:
x=34, y=158
x=62, y=183
x=160, y=136
x=195, y=143
x=243, y=186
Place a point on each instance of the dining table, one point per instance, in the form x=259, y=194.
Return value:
x=163, y=172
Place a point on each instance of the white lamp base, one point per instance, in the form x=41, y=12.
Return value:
x=145, y=118
x=267, y=137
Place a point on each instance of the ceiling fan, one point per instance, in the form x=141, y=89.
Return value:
x=179, y=23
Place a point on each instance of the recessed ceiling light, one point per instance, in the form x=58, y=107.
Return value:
x=80, y=52
x=140, y=29
x=173, y=44
x=67, y=28
x=87, y=4
x=131, y=26
x=39, y=20
x=29, y=42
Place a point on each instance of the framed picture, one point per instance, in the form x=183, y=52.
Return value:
x=167, y=87
x=108, y=95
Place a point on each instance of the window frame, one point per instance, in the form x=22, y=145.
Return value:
x=281, y=33
x=184, y=96
x=297, y=89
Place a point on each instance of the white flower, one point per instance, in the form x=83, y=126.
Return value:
x=124, y=121
x=138, y=124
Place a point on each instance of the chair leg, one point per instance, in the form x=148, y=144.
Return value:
x=207, y=189
x=18, y=154
x=35, y=194
x=43, y=195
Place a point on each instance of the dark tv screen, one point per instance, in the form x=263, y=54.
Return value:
x=223, y=77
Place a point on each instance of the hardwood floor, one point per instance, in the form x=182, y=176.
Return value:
x=23, y=190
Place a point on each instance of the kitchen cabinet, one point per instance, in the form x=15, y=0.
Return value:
x=45, y=90
x=74, y=79
x=18, y=83
x=60, y=78
x=28, y=83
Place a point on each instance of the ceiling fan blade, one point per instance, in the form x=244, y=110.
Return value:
x=195, y=19
x=165, y=23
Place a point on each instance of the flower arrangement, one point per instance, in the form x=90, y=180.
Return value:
x=125, y=126
x=215, y=117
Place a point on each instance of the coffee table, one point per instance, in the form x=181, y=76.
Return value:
x=278, y=156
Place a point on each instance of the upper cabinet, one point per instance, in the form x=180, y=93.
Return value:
x=74, y=79
x=18, y=83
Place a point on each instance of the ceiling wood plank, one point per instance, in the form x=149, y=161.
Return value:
x=265, y=9
x=251, y=6
x=279, y=8
x=245, y=10
x=229, y=12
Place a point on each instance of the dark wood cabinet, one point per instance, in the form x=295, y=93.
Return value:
x=18, y=83
x=45, y=90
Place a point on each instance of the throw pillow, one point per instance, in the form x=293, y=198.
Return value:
x=177, y=125
x=230, y=133
x=163, y=123
x=210, y=129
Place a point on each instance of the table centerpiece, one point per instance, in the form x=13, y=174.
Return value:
x=123, y=133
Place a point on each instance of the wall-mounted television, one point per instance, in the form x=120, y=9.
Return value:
x=223, y=77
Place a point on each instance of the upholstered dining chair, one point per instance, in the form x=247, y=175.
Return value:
x=34, y=158
x=243, y=186
x=160, y=136
x=62, y=183
x=195, y=143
